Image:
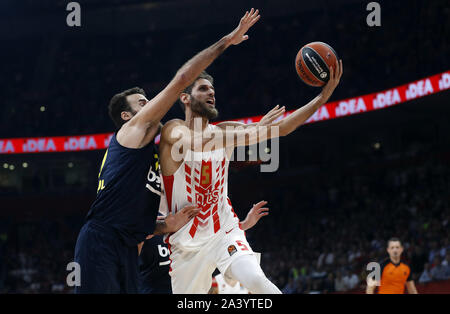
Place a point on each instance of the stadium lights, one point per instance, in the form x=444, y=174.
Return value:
x=42, y=108
x=25, y=165
x=70, y=165
x=11, y=167
x=5, y=165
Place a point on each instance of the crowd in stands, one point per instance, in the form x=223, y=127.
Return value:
x=323, y=230
x=321, y=233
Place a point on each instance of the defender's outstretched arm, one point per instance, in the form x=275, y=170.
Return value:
x=157, y=107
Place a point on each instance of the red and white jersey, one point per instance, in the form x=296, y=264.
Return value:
x=201, y=179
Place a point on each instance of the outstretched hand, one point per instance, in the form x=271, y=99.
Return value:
x=272, y=115
x=254, y=215
x=248, y=20
x=335, y=76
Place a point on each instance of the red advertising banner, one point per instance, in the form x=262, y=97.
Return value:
x=332, y=110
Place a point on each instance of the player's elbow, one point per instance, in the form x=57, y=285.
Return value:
x=181, y=79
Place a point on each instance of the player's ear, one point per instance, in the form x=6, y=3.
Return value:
x=125, y=115
x=185, y=98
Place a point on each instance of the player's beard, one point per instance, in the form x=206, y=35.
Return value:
x=203, y=109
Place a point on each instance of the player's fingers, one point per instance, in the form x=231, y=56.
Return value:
x=193, y=211
x=265, y=209
x=260, y=204
x=278, y=110
x=272, y=112
x=255, y=14
x=273, y=109
x=189, y=207
x=275, y=114
x=244, y=17
x=278, y=114
x=255, y=19
x=192, y=215
x=331, y=73
x=338, y=70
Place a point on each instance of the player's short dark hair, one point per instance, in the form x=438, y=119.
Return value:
x=119, y=103
x=394, y=239
x=188, y=90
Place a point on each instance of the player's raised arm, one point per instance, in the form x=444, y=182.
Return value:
x=153, y=111
x=263, y=131
x=298, y=117
x=229, y=133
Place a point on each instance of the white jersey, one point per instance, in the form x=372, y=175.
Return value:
x=201, y=179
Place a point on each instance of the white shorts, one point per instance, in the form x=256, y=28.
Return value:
x=191, y=271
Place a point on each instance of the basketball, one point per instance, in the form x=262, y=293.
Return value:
x=313, y=63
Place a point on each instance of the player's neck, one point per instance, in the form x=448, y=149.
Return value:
x=193, y=120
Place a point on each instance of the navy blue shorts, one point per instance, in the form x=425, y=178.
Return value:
x=107, y=265
x=161, y=286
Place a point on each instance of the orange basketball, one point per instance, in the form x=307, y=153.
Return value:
x=313, y=63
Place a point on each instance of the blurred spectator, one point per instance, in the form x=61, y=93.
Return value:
x=438, y=271
x=426, y=274
x=351, y=280
x=339, y=283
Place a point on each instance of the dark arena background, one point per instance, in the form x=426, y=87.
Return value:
x=374, y=165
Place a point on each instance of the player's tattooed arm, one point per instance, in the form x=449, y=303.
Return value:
x=254, y=215
x=173, y=223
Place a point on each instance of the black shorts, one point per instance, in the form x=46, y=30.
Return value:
x=107, y=265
